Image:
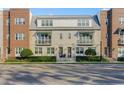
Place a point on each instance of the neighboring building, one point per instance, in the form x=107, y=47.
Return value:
x=1, y=34
x=104, y=35
x=16, y=31
x=116, y=28
x=61, y=36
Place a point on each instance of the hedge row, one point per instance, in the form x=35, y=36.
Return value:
x=42, y=59
x=34, y=59
x=120, y=59
x=53, y=59
x=91, y=58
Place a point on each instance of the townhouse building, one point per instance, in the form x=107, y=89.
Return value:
x=63, y=36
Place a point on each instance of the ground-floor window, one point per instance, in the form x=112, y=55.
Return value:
x=79, y=50
x=18, y=51
x=120, y=52
x=38, y=50
x=50, y=50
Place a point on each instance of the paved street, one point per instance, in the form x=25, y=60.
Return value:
x=62, y=74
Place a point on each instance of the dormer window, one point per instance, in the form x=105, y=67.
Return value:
x=85, y=22
x=44, y=22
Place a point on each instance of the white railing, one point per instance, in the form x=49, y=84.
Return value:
x=43, y=42
x=84, y=42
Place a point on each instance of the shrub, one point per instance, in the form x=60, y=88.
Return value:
x=41, y=59
x=90, y=52
x=86, y=58
x=120, y=59
x=26, y=53
x=92, y=58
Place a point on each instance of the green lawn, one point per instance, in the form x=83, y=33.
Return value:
x=83, y=62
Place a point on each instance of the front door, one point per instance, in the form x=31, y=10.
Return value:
x=69, y=53
x=60, y=52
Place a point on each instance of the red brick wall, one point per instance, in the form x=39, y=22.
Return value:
x=103, y=15
x=16, y=13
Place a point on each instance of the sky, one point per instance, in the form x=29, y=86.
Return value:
x=65, y=11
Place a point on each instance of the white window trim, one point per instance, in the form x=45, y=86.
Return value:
x=17, y=51
x=44, y=22
x=19, y=21
x=19, y=36
x=121, y=19
x=84, y=21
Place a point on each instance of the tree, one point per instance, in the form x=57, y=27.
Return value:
x=26, y=53
x=90, y=52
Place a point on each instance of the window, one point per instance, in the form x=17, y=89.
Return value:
x=38, y=50
x=120, y=52
x=43, y=38
x=19, y=21
x=121, y=20
x=85, y=22
x=69, y=35
x=50, y=50
x=18, y=51
x=79, y=50
x=85, y=37
x=19, y=36
x=60, y=35
x=44, y=22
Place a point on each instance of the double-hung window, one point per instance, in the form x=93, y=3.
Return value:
x=44, y=22
x=19, y=21
x=18, y=51
x=19, y=36
x=38, y=50
x=85, y=22
x=79, y=50
x=121, y=20
x=50, y=50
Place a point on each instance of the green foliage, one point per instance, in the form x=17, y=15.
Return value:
x=14, y=60
x=90, y=52
x=92, y=58
x=42, y=59
x=26, y=53
x=120, y=59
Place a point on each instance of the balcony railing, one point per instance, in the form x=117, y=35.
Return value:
x=83, y=42
x=42, y=43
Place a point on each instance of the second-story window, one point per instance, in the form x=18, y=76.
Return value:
x=19, y=36
x=121, y=20
x=85, y=22
x=19, y=21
